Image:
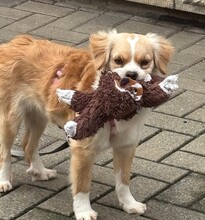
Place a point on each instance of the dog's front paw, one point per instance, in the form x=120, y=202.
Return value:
x=88, y=215
x=134, y=208
x=65, y=95
x=5, y=186
x=82, y=207
x=41, y=174
x=127, y=201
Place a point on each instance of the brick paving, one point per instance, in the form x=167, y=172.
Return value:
x=169, y=166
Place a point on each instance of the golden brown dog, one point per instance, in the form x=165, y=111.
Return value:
x=31, y=71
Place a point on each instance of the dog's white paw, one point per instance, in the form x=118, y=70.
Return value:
x=65, y=95
x=70, y=128
x=5, y=186
x=82, y=207
x=134, y=207
x=88, y=215
x=41, y=174
x=127, y=201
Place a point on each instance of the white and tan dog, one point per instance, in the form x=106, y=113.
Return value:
x=31, y=71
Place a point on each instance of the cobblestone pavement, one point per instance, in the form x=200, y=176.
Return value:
x=169, y=168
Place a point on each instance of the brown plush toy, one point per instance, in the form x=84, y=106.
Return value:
x=115, y=98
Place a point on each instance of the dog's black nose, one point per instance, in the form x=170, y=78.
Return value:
x=132, y=74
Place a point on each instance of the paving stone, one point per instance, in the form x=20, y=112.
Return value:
x=191, y=84
x=202, y=43
x=63, y=167
x=85, y=44
x=13, y=13
x=80, y=5
x=195, y=29
x=198, y=115
x=161, y=145
x=105, y=212
x=185, y=59
x=21, y=199
x=194, y=49
x=175, y=124
x=30, y=23
x=118, y=14
x=64, y=197
x=5, y=21
x=163, y=211
x=103, y=22
x=54, y=204
x=148, y=132
x=186, y=191
x=196, y=146
x=141, y=187
x=45, y=9
x=182, y=104
x=143, y=28
x=19, y=173
x=187, y=161
x=103, y=175
x=184, y=39
x=11, y=3
x=144, y=19
x=40, y=214
x=171, y=24
x=7, y=35
x=63, y=43
x=158, y=171
x=174, y=68
x=55, y=132
x=200, y=206
x=195, y=72
x=69, y=4
x=73, y=20
x=60, y=34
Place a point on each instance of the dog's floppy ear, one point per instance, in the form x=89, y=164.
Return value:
x=100, y=46
x=162, y=50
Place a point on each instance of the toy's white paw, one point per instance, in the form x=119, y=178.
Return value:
x=169, y=84
x=5, y=186
x=65, y=95
x=87, y=215
x=134, y=207
x=70, y=128
x=41, y=174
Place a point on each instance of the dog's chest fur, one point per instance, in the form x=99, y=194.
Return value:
x=126, y=132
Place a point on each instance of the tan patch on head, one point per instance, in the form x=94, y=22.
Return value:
x=143, y=50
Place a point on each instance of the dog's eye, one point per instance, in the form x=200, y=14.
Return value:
x=118, y=61
x=144, y=62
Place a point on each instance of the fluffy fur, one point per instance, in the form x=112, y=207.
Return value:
x=28, y=83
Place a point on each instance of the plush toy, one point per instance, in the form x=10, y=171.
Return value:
x=114, y=99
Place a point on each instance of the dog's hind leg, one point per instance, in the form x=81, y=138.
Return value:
x=123, y=157
x=9, y=125
x=35, y=124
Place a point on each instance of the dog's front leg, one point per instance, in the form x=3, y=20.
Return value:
x=82, y=159
x=123, y=157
